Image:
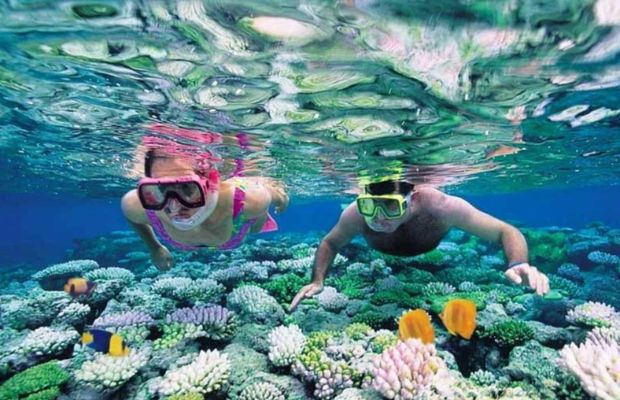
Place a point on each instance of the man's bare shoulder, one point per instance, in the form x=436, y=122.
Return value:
x=132, y=208
x=429, y=198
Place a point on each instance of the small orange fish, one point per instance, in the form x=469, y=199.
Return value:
x=459, y=317
x=416, y=324
x=501, y=150
x=79, y=286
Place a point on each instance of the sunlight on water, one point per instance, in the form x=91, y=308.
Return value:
x=515, y=94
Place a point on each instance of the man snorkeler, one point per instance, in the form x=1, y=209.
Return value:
x=399, y=219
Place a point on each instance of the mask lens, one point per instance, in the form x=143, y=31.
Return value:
x=155, y=196
x=366, y=206
x=392, y=208
x=152, y=197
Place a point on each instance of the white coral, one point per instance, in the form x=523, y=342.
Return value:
x=110, y=372
x=331, y=300
x=261, y=391
x=285, y=344
x=592, y=314
x=596, y=363
x=47, y=341
x=74, y=313
x=208, y=373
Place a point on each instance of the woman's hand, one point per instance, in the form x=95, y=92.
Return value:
x=162, y=258
x=305, y=292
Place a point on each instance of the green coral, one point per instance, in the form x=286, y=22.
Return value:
x=546, y=250
x=285, y=287
x=187, y=396
x=509, y=333
x=351, y=285
x=38, y=382
x=45, y=394
x=358, y=330
x=175, y=333
x=415, y=276
x=435, y=257
x=456, y=275
x=382, y=341
x=374, y=318
x=318, y=340
x=397, y=296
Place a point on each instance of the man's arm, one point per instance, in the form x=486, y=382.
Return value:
x=349, y=225
x=456, y=212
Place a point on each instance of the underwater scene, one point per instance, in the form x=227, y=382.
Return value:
x=312, y=199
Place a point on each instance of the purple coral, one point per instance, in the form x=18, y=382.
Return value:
x=130, y=318
x=217, y=321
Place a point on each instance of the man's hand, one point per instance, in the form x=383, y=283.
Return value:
x=526, y=274
x=305, y=293
x=162, y=258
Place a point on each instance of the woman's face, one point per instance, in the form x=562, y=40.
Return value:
x=169, y=168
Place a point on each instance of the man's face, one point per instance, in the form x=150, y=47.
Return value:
x=380, y=223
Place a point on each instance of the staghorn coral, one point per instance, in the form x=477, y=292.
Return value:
x=200, y=291
x=208, y=373
x=357, y=331
x=438, y=289
x=48, y=342
x=216, y=321
x=175, y=333
x=105, y=372
x=261, y=391
x=381, y=340
x=509, y=332
x=596, y=363
x=34, y=382
x=592, y=314
x=55, y=276
x=111, y=273
x=405, y=371
x=285, y=344
x=39, y=309
x=129, y=318
x=166, y=286
x=331, y=300
x=255, y=303
x=602, y=258
x=73, y=314
x=570, y=271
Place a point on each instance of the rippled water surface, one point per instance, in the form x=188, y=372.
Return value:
x=503, y=95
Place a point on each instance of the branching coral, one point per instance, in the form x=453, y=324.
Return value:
x=405, y=371
x=208, y=373
x=285, y=344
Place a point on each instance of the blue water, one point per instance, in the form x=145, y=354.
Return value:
x=38, y=229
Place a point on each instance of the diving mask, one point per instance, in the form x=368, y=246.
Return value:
x=393, y=206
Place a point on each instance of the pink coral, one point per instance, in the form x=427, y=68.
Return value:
x=404, y=371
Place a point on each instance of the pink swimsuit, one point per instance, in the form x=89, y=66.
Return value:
x=240, y=224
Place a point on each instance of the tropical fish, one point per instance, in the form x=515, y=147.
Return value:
x=416, y=324
x=79, y=286
x=459, y=317
x=105, y=342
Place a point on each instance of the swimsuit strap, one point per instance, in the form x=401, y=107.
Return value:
x=159, y=228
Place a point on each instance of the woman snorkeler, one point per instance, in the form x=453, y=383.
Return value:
x=182, y=199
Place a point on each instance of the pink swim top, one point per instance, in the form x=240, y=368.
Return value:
x=241, y=225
